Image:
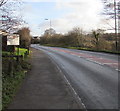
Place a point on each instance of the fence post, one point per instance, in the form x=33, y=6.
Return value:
x=18, y=53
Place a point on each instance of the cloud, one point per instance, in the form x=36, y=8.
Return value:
x=75, y=13
x=39, y=0
x=84, y=14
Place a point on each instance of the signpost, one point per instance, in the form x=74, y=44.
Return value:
x=13, y=39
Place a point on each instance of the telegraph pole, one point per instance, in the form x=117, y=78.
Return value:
x=115, y=15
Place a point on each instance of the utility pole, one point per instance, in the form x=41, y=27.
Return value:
x=50, y=24
x=50, y=27
x=115, y=15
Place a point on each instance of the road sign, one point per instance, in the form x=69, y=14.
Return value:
x=13, y=39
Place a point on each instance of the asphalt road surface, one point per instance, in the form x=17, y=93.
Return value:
x=93, y=76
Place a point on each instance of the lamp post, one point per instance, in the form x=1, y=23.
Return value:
x=50, y=22
x=50, y=25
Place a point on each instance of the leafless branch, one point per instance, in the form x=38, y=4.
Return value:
x=2, y=2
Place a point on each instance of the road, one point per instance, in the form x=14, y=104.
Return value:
x=94, y=76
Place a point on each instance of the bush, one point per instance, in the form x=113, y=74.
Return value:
x=13, y=73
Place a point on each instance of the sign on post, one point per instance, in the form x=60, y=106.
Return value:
x=13, y=39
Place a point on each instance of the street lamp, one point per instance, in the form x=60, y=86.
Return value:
x=50, y=26
x=50, y=22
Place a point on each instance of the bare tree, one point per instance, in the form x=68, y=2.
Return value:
x=2, y=2
x=78, y=35
x=97, y=34
x=25, y=37
x=9, y=20
x=112, y=9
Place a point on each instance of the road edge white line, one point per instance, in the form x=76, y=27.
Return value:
x=67, y=81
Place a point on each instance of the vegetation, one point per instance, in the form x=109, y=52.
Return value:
x=25, y=37
x=10, y=20
x=22, y=52
x=13, y=73
x=97, y=40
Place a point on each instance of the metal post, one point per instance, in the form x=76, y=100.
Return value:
x=115, y=13
x=50, y=27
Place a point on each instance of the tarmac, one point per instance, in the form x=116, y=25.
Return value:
x=44, y=87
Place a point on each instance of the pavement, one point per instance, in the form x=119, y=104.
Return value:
x=44, y=87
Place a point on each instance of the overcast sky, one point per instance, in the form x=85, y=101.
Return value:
x=64, y=15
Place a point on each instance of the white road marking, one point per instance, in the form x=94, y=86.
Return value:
x=95, y=62
x=72, y=87
x=74, y=92
x=117, y=70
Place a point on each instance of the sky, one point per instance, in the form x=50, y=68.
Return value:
x=63, y=14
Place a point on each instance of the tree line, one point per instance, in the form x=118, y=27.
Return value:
x=95, y=40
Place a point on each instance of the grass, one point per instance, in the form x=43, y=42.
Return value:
x=13, y=72
x=22, y=51
x=5, y=53
x=86, y=49
x=89, y=49
x=10, y=86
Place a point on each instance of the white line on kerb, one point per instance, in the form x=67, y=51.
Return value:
x=98, y=63
x=72, y=88
x=74, y=91
x=117, y=70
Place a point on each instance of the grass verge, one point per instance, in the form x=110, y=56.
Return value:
x=22, y=51
x=10, y=86
x=13, y=72
x=85, y=49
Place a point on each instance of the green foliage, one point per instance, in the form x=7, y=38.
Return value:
x=13, y=73
x=10, y=86
x=22, y=52
x=5, y=53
